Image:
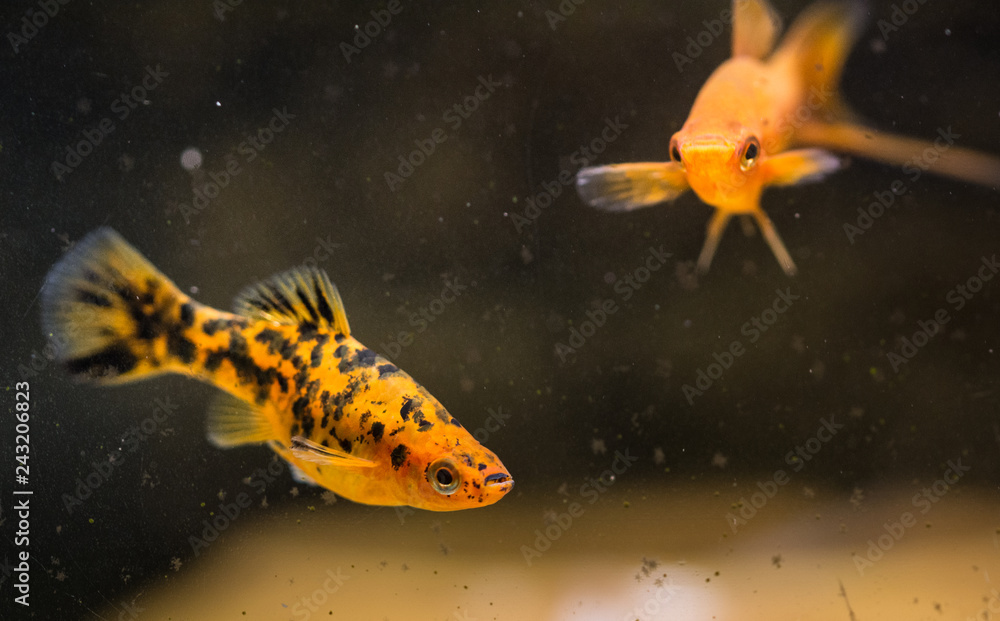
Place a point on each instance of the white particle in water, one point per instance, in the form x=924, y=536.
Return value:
x=191, y=158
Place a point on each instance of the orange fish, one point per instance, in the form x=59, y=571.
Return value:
x=764, y=118
x=344, y=417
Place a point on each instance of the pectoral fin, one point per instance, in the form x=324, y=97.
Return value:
x=307, y=450
x=799, y=166
x=234, y=422
x=624, y=187
x=299, y=476
x=756, y=26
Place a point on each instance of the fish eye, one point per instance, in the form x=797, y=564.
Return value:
x=750, y=154
x=675, y=152
x=444, y=477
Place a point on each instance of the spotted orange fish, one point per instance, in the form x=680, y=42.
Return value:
x=765, y=118
x=294, y=377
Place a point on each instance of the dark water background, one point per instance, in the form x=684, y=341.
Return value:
x=323, y=178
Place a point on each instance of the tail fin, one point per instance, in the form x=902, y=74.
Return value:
x=816, y=49
x=113, y=316
x=937, y=156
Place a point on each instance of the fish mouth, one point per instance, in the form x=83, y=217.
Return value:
x=499, y=479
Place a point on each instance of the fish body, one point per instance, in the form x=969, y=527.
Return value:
x=768, y=116
x=294, y=377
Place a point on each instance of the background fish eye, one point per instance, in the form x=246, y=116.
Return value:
x=750, y=153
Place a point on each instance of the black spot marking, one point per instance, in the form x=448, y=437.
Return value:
x=422, y=423
x=324, y=307
x=305, y=302
x=398, y=456
x=482, y=467
x=386, y=369
x=346, y=445
x=116, y=359
x=308, y=422
x=187, y=314
x=308, y=330
x=303, y=374
x=377, y=430
x=212, y=326
x=299, y=407
x=340, y=338
x=287, y=350
x=247, y=370
x=443, y=415
x=271, y=338
x=365, y=357
x=180, y=346
x=409, y=405
x=333, y=405
x=281, y=302
x=214, y=359
x=316, y=357
x=94, y=299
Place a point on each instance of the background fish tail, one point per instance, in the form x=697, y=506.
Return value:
x=112, y=315
x=816, y=49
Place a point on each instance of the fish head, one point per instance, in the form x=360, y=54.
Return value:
x=722, y=166
x=447, y=469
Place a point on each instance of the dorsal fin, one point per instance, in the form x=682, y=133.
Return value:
x=756, y=27
x=302, y=294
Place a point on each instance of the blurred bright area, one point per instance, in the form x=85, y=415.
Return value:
x=669, y=554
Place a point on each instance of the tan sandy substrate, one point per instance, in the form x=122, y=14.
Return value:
x=787, y=562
